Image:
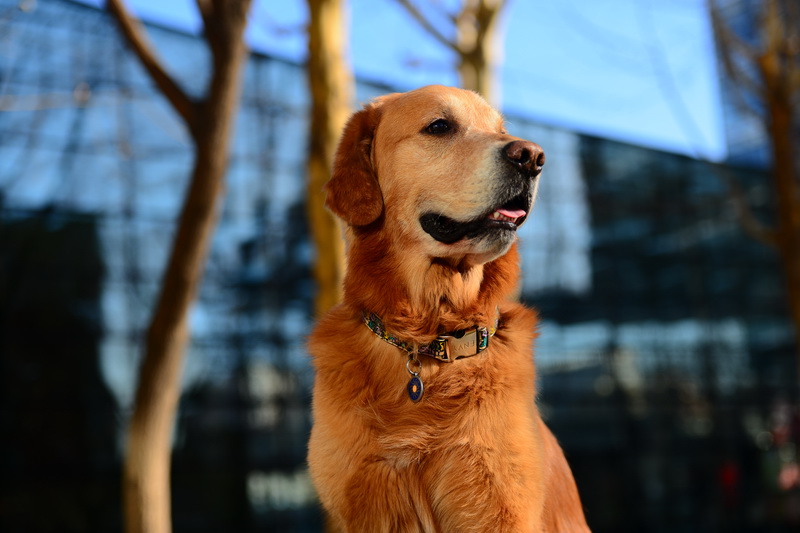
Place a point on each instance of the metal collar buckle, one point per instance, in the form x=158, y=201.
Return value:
x=459, y=345
x=463, y=346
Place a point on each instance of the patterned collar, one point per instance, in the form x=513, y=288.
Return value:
x=447, y=347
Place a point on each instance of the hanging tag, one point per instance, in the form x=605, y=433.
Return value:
x=414, y=387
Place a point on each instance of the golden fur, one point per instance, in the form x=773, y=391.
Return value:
x=473, y=454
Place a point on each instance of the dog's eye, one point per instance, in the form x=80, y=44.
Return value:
x=439, y=126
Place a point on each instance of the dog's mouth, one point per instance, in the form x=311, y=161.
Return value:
x=506, y=217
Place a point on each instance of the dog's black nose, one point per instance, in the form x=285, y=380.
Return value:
x=526, y=156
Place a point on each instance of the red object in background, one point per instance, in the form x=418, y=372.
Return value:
x=789, y=476
x=729, y=481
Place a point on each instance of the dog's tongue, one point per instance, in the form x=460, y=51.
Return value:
x=512, y=213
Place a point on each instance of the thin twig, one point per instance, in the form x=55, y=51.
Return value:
x=426, y=24
x=751, y=225
x=732, y=45
x=135, y=35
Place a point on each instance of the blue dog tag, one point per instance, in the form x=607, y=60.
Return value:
x=415, y=388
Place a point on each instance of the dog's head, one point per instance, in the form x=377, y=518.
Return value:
x=436, y=168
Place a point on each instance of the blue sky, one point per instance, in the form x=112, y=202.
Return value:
x=640, y=71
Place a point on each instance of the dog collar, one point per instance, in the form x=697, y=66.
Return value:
x=447, y=347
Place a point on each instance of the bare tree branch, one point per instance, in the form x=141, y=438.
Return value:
x=206, y=9
x=435, y=5
x=747, y=106
x=740, y=76
x=736, y=44
x=423, y=21
x=137, y=38
x=747, y=219
x=731, y=46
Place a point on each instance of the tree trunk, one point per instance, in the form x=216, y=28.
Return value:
x=146, y=489
x=769, y=71
x=786, y=187
x=330, y=84
x=479, y=49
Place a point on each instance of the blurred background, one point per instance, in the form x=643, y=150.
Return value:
x=663, y=253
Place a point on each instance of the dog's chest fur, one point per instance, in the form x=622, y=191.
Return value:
x=472, y=433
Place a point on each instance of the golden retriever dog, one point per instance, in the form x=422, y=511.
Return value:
x=424, y=401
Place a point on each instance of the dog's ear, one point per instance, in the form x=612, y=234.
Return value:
x=353, y=192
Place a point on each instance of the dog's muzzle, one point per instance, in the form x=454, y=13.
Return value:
x=513, y=198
